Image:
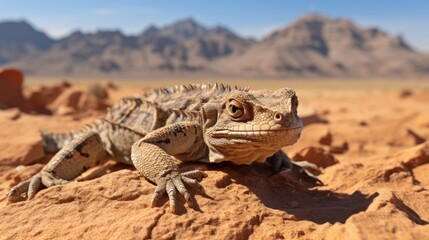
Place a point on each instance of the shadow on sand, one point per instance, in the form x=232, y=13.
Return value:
x=318, y=206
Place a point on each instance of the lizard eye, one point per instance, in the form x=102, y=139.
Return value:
x=235, y=109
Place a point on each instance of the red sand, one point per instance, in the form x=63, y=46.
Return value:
x=372, y=146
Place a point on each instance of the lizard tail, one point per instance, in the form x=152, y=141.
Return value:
x=54, y=141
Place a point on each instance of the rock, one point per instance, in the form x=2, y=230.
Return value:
x=417, y=138
x=226, y=212
x=91, y=102
x=97, y=90
x=363, y=123
x=309, y=116
x=11, y=114
x=403, y=221
x=339, y=147
x=76, y=100
x=313, y=135
x=22, y=150
x=316, y=155
x=406, y=137
x=405, y=93
x=421, y=174
x=13, y=75
x=109, y=85
x=414, y=156
x=63, y=110
x=40, y=98
x=11, y=83
x=326, y=139
x=69, y=98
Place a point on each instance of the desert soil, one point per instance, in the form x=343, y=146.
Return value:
x=371, y=142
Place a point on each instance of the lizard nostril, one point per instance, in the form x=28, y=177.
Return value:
x=278, y=117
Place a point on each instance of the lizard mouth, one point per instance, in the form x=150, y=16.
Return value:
x=252, y=133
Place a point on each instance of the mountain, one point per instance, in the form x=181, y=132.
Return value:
x=183, y=46
x=184, y=30
x=318, y=46
x=19, y=39
x=313, y=46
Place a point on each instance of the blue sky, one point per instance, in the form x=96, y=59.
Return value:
x=409, y=18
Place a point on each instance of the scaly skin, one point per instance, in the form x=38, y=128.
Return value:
x=198, y=122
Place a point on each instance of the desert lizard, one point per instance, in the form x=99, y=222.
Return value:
x=197, y=122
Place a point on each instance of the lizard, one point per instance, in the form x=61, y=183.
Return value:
x=208, y=123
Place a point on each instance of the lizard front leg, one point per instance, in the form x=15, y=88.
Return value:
x=296, y=172
x=80, y=154
x=152, y=156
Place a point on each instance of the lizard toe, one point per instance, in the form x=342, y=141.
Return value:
x=19, y=192
x=34, y=186
x=180, y=186
x=26, y=190
x=48, y=179
x=195, y=174
x=171, y=192
x=298, y=176
x=304, y=171
x=309, y=167
x=159, y=192
x=194, y=183
x=177, y=182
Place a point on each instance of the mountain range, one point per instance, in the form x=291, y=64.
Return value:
x=312, y=46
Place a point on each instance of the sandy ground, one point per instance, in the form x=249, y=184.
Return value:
x=370, y=138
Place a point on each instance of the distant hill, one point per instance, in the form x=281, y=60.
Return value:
x=313, y=46
x=19, y=39
x=318, y=46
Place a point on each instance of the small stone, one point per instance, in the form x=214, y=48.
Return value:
x=11, y=114
x=339, y=147
x=363, y=124
x=326, y=139
x=316, y=155
x=405, y=93
x=414, y=156
x=309, y=116
x=417, y=138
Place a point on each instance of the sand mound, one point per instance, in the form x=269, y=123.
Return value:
x=373, y=189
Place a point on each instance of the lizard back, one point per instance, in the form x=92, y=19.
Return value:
x=160, y=107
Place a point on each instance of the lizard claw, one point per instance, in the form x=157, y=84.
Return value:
x=296, y=173
x=19, y=192
x=299, y=175
x=174, y=181
x=27, y=189
x=309, y=167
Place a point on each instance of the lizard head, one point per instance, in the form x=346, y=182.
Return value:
x=248, y=126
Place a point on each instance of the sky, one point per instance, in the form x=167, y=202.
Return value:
x=250, y=18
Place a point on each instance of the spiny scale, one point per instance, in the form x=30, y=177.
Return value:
x=192, y=87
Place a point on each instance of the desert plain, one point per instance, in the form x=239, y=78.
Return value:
x=370, y=137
